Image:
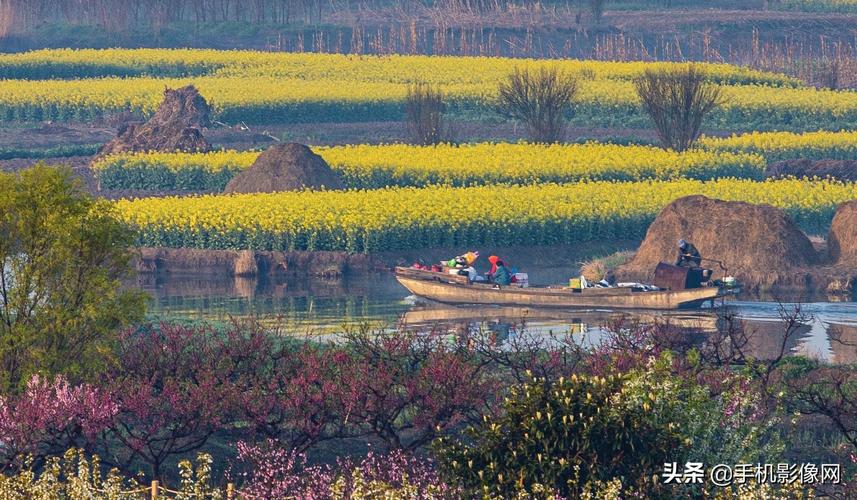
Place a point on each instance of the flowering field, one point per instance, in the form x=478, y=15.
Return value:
x=370, y=166
x=282, y=100
x=401, y=218
x=322, y=87
x=80, y=63
x=777, y=146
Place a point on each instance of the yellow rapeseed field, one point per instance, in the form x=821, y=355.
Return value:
x=365, y=166
x=312, y=66
x=399, y=218
x=268, y=99
x=372, y=166
x=776, y=146
x=261, y=87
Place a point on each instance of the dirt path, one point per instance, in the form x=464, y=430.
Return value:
x=43, y=136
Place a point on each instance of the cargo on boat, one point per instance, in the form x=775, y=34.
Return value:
x=452, y=289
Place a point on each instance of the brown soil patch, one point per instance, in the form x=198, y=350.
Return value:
x=845, y=170
x=51, y=135
x=285, y=167
x=324, y=134
x=758, y=243
x=176, y=126
x=842, y=238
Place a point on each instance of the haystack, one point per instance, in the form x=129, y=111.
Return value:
x=758, y=243
x=285, y=167
x=842, y=238
x=175, y=126
x=845, y=170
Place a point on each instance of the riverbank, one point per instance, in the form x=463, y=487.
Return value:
x=536, y=260
x=543, y=264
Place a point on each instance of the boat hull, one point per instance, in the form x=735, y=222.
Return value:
x=450, y=290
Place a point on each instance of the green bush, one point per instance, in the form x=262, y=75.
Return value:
x=588, y=435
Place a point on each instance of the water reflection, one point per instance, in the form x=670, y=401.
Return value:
x=829, y=329
x=824, y=330
x=306, y=306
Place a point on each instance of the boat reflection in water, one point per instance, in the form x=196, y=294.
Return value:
x=761, y=338
x=309, y=307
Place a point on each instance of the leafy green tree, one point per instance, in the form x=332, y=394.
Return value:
x=62, y=255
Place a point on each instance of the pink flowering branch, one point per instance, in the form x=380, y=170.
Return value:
x=50, y=417
x=275, y=472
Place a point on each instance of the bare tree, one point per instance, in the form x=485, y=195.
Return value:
x=539, y=99
x=424, y=106
x=597, y=9
x=677, y=101
x=829, y=70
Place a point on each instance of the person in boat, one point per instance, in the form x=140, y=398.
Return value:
x=493, y=259
x=688, y=256
x=608, y=281
x=501, y=274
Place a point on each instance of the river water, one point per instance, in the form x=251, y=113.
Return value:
x=324, y=308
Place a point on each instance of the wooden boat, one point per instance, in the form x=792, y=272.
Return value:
x=451, y=289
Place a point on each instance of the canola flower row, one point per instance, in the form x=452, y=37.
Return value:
x=405, y=218
x=271, y=99
x=368, y=166
x=443, y=70
x=778, y=146
x=375, y=166
x=325, y=87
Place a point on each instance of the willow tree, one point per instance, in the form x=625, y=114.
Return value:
x=62, y=256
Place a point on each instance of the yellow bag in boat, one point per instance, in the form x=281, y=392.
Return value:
x=471, y=257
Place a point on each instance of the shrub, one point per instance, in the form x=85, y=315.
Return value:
x=585, y=434
x=424, y=107
x=539, y=99
x=677, y=101
x=560, y=438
